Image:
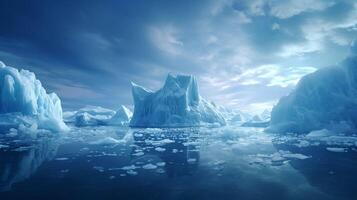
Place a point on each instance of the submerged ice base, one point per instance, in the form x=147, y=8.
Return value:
x=177, y=104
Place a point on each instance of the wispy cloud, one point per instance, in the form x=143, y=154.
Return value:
x=289, y=8
x=273, y=75
x=165, y=39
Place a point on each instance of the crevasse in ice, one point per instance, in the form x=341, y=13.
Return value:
x=23, y=96
x=323, y=99
x=178, y=103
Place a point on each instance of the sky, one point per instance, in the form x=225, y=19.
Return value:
x=246, y=54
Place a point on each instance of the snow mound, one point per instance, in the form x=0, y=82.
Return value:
x=23, y=94
x=320, y=100
x=177, y=104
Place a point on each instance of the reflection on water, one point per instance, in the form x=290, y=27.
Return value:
x=21, y=161
x=189, y=163
x=332, y=172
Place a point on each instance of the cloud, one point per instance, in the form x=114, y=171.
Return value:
x=242, y=18
x=289, y=8
x=275, y=27
x=165, y=39
x=273, y=75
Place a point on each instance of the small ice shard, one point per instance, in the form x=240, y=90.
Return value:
x=138, y=153
x=160, y=164
x=99, y=168
x=337, y=149
x=177, y=104
x=3, y=146
x=132, y=172
x=160, y=149
x=22, y=95
x=106, y=140
x=61, y=159
x=130, y=167
x=191, y=160
x=149, y=166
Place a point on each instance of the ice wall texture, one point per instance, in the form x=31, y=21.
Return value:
x=326, y=98
x=177, y=104
x=22, y=93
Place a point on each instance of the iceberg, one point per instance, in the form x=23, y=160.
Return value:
x=121, y=117
x=98, y=116
x=92, y=116
x=23, y=99
x=326, y=98
x=177, y=104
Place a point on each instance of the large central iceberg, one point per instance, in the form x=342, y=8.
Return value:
x=177, y=104
x=324, y=99
x=24, y=100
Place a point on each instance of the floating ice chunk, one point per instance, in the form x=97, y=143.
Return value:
x=191, y=160
x=149, y=166
x=160, y=149
x=296, y=155
x=106, y=140
x=336, y=149
x=22, y=93
x=319, y=133
x=3, y=146
x=132, y=172
x=177, y=104
x=130, y=167
x=61, y=159
x=138, y=153
x=160, y=164
x=99, y=168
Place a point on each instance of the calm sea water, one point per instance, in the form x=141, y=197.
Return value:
x=205, y=163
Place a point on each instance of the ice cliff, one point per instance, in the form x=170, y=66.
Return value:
x=23, y=99
x=177, y=104
x=324, y=99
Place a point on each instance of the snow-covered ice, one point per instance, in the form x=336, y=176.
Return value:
x=177, y=104
x=23, y=100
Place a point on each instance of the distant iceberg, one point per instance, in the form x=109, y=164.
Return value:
x=177, y=104
x=98, y=116
x=24, y=101
x=326, y=98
